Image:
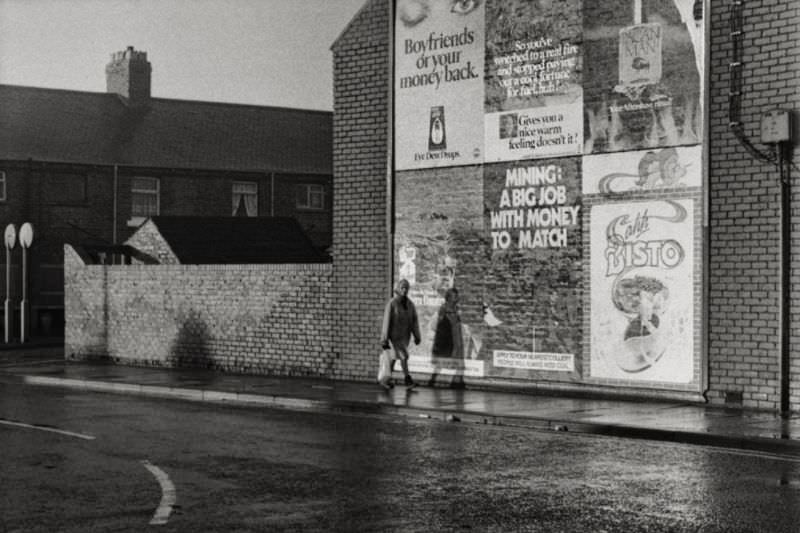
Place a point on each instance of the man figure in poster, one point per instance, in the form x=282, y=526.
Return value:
x=508, y=126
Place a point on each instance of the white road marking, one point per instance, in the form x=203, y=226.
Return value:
x=46, y=428
x=756, y=453
x=168, y=497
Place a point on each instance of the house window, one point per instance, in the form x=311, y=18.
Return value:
x=144, y=197
x=2, y=186
x=245, y=199
x=310, y=196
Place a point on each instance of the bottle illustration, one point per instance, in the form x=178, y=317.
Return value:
x=437, y=136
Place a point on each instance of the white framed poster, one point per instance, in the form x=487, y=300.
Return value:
x=438, y=85
x=642, y=291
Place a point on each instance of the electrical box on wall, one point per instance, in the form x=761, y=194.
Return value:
x=775, y=126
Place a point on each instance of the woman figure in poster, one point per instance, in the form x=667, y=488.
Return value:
x=448, y=339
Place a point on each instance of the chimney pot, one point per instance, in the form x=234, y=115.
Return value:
x=128, y=75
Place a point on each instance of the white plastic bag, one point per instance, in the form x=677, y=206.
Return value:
x=385, y=366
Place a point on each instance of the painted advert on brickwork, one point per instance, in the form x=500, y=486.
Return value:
x=438, y=83
x=534, y=97
x=642, y=80
x=438, y=247
x=642, y=291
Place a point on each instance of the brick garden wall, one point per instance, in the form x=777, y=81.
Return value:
x=744, y=244
x=259, y=319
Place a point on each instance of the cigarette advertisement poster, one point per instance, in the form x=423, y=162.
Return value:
x=642, y=291
x=642, y=78
x=439, y=51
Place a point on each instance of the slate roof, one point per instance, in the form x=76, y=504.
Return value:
x=237, y=240
x=57, y=125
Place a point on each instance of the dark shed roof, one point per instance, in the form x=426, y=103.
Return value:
x=237, y=240
x=100, y=128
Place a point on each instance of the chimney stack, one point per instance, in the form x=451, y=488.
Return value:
x=128, y=75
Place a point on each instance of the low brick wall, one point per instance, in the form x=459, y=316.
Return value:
x=257, y=319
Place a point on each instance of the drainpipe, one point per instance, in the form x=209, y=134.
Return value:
x=272, y=194
x=784, y=162
x=114, y=205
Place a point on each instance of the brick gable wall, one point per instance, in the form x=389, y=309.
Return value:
x=361, y=244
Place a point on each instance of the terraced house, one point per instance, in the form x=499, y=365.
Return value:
x=89, y=168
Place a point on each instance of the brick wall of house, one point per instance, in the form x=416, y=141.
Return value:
x=65, y=203
x=74, y=203
x=259, y=319
x=209, y=194
x=361, y=279
x=744, y=244
x=316, y=223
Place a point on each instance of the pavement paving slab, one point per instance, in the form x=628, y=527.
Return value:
x=694, y=423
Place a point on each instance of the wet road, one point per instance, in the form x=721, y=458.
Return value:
x=79, y=462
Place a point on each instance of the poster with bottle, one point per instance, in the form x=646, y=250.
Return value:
x=438, y=83
x=437, y=137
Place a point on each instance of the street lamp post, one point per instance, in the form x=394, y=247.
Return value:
x=11, y=242
x=25, y=240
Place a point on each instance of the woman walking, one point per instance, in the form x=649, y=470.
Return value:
x=400, y=323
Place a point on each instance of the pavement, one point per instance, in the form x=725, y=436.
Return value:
x=43, y=364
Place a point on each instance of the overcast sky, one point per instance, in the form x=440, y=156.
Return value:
x=264, y=52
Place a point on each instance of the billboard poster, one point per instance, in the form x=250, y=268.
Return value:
x=643, y=77
x=659, y=169
x=531, y=284
x=439, y=51
x=642, y=291
x=534, y=96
